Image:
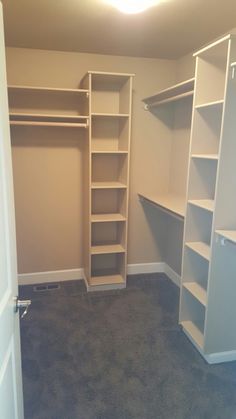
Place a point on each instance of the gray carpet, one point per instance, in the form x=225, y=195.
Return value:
x=117, y=355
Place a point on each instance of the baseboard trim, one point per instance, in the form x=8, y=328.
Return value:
x=50, y=276
x=174, y=277
x=78, y=274
x=220, y=357
x=145, y=268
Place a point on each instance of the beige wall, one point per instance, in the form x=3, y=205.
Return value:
x=47, y=163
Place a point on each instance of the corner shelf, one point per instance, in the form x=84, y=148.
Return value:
x=173, y=204
x=228, y=235
x=171, y=94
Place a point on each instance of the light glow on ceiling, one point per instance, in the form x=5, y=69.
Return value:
x=132, y=6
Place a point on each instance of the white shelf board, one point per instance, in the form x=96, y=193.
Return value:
x=41, y=117
x=46, y=89
x=108, y=185
x=201, y=248
x=109, y=115
x=197, y=291
x=106, y=249
x=109, y=152
x=193, y=332
x=171, y=94
x=228, y=234
x=207, y=204
x=205, y=156
x=174, y=204
x=210, y=104
x=103, y=218
x=48, y=124
x=106, y=280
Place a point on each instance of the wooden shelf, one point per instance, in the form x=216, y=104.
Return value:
x=210, y=104
x=109, y=115
x=46, y=89
x=205, y=156
x=113, y=79
x=48, y=124
x=103, y=218
x=106, y=249
x=108, y=185
x=197, y=291
x=207, y=204
x=47, y=120
x=173, y=204
x=193, y=332
x=23, y=116
x=227, y=234
x=106, y=280
x=109, y=152
x=171, y=94
x=201, y=248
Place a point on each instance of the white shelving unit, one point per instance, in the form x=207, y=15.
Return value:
x=49, y=107
x=107, y=179
x=207, y=304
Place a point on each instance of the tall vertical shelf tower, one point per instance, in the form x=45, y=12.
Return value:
x=207, y=306
x=107, y=179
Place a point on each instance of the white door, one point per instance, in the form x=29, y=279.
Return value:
x=11, y=399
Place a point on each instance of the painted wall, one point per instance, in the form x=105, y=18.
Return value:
x=47, y=163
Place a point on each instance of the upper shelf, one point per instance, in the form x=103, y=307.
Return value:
x=170, y=203
x=171, y=94
x=25, y=119
x=17, y=88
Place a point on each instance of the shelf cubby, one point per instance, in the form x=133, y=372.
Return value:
x=113, y=135
x=113, y=233
x=211, y=74
x=107, y=269
x=110, y=94
x=198, y=226
x=109, y=201
x=109, y=168
x=202, y=179
x=206, y=136
x=195, y=275
x=192, y=317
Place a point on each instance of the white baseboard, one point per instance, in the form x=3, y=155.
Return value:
x=220, y=357
x=51, y=276
x=174, y=277
x=145, y=268
x=75, y=274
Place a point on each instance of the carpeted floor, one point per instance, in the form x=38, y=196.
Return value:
x=117, y=355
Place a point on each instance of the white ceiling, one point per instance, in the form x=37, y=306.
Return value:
x=169, y=30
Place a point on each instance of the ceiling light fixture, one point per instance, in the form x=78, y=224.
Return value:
x=132, y=6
